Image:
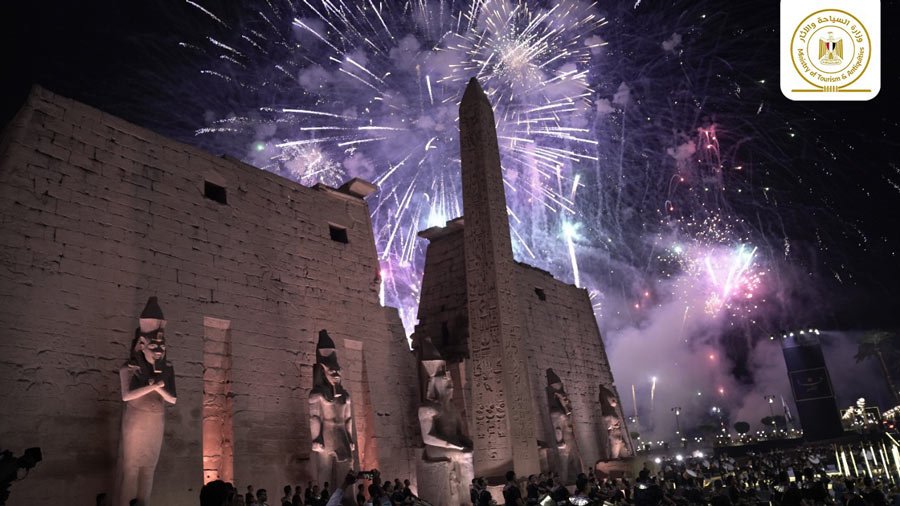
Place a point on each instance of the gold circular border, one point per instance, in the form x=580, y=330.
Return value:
x=791, y=48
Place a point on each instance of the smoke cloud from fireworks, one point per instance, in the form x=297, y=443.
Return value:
x=697, y=378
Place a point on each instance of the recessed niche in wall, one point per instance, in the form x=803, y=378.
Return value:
x=540, y=293
x=338, y=233
x=218, y=409
x=214, y=192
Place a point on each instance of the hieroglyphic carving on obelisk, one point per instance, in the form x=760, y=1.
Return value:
x=503, y=425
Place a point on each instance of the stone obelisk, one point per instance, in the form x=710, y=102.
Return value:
x=503, y=425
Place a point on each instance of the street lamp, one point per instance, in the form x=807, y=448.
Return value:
x=771, y=400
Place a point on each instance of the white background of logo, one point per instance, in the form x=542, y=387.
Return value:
x=793, y=13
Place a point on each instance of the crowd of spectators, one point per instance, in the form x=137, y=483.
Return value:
x=378, y=493
x=807, y=476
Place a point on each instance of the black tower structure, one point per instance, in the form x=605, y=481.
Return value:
x=811, y=385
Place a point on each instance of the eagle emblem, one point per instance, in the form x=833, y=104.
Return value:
x=831, y=50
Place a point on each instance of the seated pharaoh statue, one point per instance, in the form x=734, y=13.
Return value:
x=148, y=384
x=330, y=416
x=447, y=467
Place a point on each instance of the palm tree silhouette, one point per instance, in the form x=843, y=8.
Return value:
x=883, y=345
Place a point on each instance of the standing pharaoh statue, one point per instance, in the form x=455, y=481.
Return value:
x=612, y=420
x=447, y=467
x=563, y=428
x=330, y=416
x=148, y=383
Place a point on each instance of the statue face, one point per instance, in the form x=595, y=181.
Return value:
x=612, y=401
x=332, y=374
x=440, y=386
x=152, y=345
x=443, y=384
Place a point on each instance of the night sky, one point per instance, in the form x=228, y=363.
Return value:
x=837, y=163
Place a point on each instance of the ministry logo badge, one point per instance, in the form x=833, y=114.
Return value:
x=830, y=53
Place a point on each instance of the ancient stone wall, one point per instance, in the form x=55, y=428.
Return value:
x=96, y=214
x=389, y=377
x=563, y=335
x=442, y=304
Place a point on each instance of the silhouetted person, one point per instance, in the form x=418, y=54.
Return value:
x=484, y=497
x=361, y=495
x=216, y=493
x=512, y=496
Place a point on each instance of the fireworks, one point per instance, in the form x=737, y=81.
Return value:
x=622, y=136
x=309, y=165
x=569, y=233
x=732, y=278
x=371, y=90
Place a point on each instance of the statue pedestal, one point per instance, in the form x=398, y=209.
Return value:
x=325, y=467
x=444, y=482
x=569, y=465
x=544, y=454
x=622, y=468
